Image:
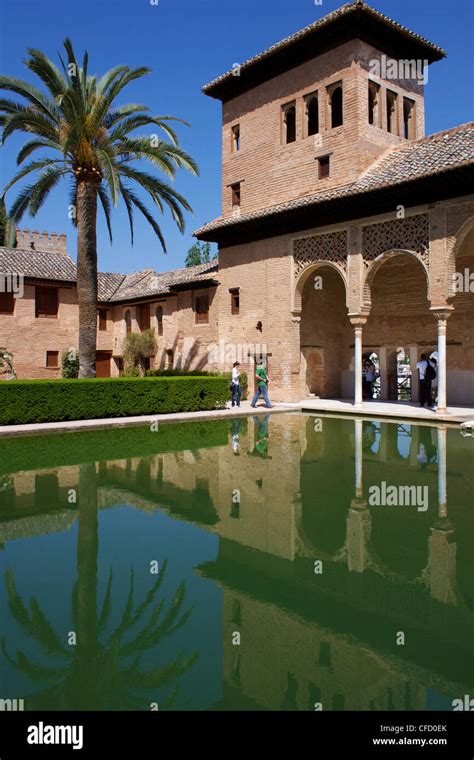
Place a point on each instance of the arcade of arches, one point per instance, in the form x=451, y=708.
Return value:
x=400, y=310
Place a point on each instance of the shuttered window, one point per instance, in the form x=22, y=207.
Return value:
x=7, y=303
x=46, y=302
x=202, y=309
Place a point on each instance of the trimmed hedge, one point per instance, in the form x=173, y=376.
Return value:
x=33, y=452
x=200, y=373
x=35, y=401
x=180, y=373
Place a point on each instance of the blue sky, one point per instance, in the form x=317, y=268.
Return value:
x=187, y=43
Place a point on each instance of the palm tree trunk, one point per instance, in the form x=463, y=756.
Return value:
x=87, y=579
x=87, y=274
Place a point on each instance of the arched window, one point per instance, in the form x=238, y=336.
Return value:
x=374, y=111
x=289, y=123
x=159, y=319
x=128, y=321
x=392, y=112
x=336, y=106
x=409, y=129
x=312, y=115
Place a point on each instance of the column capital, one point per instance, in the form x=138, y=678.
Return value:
x=296, y=317
x=358, y=320
x=441, y=313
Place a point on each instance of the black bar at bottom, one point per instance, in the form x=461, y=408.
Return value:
x=135, y=734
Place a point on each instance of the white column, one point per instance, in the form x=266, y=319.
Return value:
x=442, y=486
x=442, y=318
x=358, y=322
x=415, y=383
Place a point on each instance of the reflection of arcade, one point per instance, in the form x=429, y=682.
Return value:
x=330, y=638
x=309, y=638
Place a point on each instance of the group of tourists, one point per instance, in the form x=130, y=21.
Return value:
x=427, y=375
x=262, y=386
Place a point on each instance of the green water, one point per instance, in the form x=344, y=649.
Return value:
x=242, y=564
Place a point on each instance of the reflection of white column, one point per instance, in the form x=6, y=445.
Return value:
x=358, y=457
x=442, y=317
x=358, y=322
x=442, y=487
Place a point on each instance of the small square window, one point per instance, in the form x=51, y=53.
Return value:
x=235, y=195
x=323, y=167
x=52, y=359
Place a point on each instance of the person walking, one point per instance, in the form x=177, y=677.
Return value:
x=235, y=386
x=425, y=376
x=370, y=375
x=262, y=380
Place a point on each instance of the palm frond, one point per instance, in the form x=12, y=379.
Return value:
x=30, y=121
x=105, y=203
x=35, y=144
x=33, y=166
x=46, y=70
x=124, y=192
x=47, y=181
x=34, y=96
x=148, y=216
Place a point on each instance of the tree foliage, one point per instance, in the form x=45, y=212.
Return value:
x=199, y=253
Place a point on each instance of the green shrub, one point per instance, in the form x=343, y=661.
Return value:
x=180, y=373
x=137, y=347
x=199, y=373
x=32, y=401
x=70, y=364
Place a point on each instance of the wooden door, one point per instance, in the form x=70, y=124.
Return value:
x=102, y=363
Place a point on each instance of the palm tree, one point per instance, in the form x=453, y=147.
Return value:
x=93, y=143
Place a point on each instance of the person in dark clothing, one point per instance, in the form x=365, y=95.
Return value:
x=425, y=377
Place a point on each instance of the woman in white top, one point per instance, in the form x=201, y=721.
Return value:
x=235, y=385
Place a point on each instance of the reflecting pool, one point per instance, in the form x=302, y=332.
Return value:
x=283, y=562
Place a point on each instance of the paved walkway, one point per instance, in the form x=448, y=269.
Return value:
x=144, y=420
x=387, y=409
x=402, y=410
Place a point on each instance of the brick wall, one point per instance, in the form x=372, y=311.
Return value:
x=29, y=338
x=272, y=172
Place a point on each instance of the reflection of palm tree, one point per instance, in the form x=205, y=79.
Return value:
x=101, y=671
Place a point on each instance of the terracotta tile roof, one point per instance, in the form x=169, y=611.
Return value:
x=37, y=265
x=429, y=156
x=150, y=283
x=356, y=10
x=108, y=283
x=112, y=287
